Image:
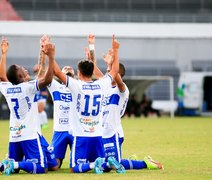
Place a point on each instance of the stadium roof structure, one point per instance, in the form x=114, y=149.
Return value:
x=124, y=30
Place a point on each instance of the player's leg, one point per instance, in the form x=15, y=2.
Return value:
x=112, y=147
x=97, y=155
x=15, y=154
x=35, y=159
x=59, y=143
x=133, y=164
x=49, y=152
x=148, y=162
x=79, y=155
x=34, y=162
x=113, y=154
x=69, y=140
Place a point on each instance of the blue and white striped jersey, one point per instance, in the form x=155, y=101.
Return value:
x=114, y=104
x=87, y=99
x=63, y=106
x=20, y=99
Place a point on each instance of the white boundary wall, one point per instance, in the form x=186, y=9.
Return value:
x=123, y=30
x=180, y=43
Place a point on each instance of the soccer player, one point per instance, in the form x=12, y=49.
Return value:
x=49, y=150
x=87, y=149
x=63, y=107
x=114, y=103
x=62, y=99
x=24, y=139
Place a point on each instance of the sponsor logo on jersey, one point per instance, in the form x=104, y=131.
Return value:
x=107, y=145
x=90, y=86
x=58, y=96
x=65, y=108
x=63, y=121
x=14, y=90
x=89, y=124
x=81, y=161
x=18, y=128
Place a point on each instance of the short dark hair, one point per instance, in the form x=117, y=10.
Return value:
x=121, y=70
x=12, y=74
x=86, y=67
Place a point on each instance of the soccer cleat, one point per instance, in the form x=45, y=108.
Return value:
x=133, y=157
x=98, y=166
x=8, y=166
x=151, y=164
x=114, y=164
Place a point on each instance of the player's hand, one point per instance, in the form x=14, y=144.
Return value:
x=45, y=39
x=108, y=58
x=115, y=43
x=4, y=45
x=91, y=39
x=49, y=50
x=87, y=53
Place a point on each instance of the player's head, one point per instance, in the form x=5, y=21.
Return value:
x=121, y=70
x=68, y=70
x=16, y=74
x=85, y=68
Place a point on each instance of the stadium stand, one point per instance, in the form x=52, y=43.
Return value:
x=7, y=12
x=115, y=10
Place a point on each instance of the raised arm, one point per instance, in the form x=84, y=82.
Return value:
x=4, y=48
x=45, y=39
x=49, y=50
x=41, y=64
x=91, y=41
x=120, y=83
x=115, y=65
x=59, y=73
x=109, y=59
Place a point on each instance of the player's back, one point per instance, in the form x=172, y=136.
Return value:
x=63, y=105
x=20, y=99
x=114, y=106
x=87, y=98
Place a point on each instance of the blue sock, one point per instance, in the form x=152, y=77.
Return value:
x=82, y=168
x=133, y=164
x=31, y=167
x=1, y=167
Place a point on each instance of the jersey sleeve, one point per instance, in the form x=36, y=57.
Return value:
x=72, y=84
x=53, y=85
x=106, y=82
x=125, y=97
x=3, y=87
x=32, y=87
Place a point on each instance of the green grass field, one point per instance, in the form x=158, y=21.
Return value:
x=182, y=145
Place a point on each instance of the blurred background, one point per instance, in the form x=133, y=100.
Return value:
x=165, y=45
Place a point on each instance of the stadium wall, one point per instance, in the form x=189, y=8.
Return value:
x=181, y=43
